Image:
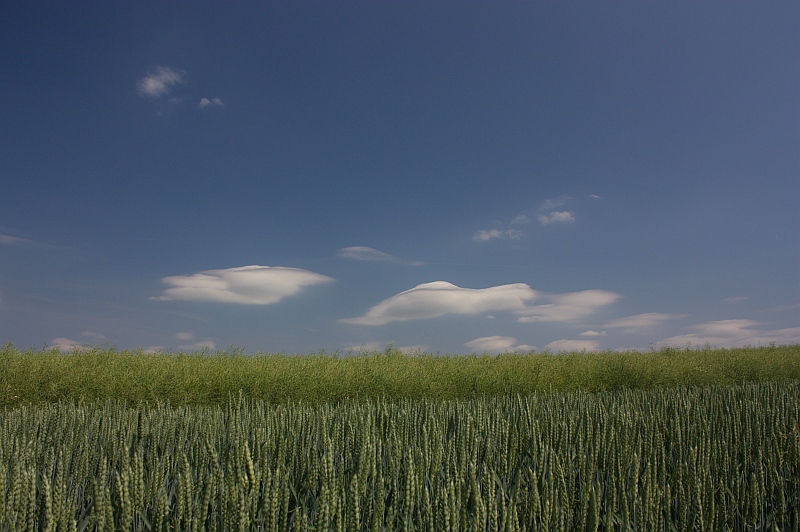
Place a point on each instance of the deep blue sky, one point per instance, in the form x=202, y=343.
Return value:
x=451, y=176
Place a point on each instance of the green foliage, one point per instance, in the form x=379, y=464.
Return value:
x=723, y=457
x=135, y=377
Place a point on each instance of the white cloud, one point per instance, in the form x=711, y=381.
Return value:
x=214, y=102
x=550, y=204
x=492, y=344
x=184, y=336
x=736, y=299
x=432, y=300
x=8, y=240
x=557, y=217
x=159, y=83
x=511, y=233
x=567, y=307
x=525, y=347
x=595, y=196
x=593, y=333
x=13, y=241
x=632, y=324
x=783, y=308
x=734, y=333
x=246, y=285
x=364, y=253
x=68, y=345
x=553, y=211
x=564, y=346
x=488, y=234
x=497, y=344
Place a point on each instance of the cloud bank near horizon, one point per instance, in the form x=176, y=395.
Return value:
x=497, y=344
x=733, y=333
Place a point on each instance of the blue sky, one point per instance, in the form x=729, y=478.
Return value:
x=454, y=177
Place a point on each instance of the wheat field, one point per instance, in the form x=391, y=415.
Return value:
x=721, y=457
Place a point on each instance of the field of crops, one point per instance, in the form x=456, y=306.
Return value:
x=722, y=457
x=134, y=377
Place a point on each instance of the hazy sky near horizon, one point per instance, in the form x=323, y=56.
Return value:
x=446, y=176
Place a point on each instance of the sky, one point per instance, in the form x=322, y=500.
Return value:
x=447, y=177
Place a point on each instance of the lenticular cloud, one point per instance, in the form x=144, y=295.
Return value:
x=432, y=300
x=246, y=285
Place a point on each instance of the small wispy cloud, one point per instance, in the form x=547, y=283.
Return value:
x=512, y=232
x=497, y=344
x=569, y=306
x=783, y=308
x=213, y=102
x=246, y=285
x=184, y=336
x=734, y=333
x=15, y=242
x=368, y=254
x=593, y=333
x=550, y=204
x=8, y=240
x=160, y=82
x=516, y=228
x=488, y=234
x=552, y=211
x=439, y=298
x=556, y=217
x=633, y=324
